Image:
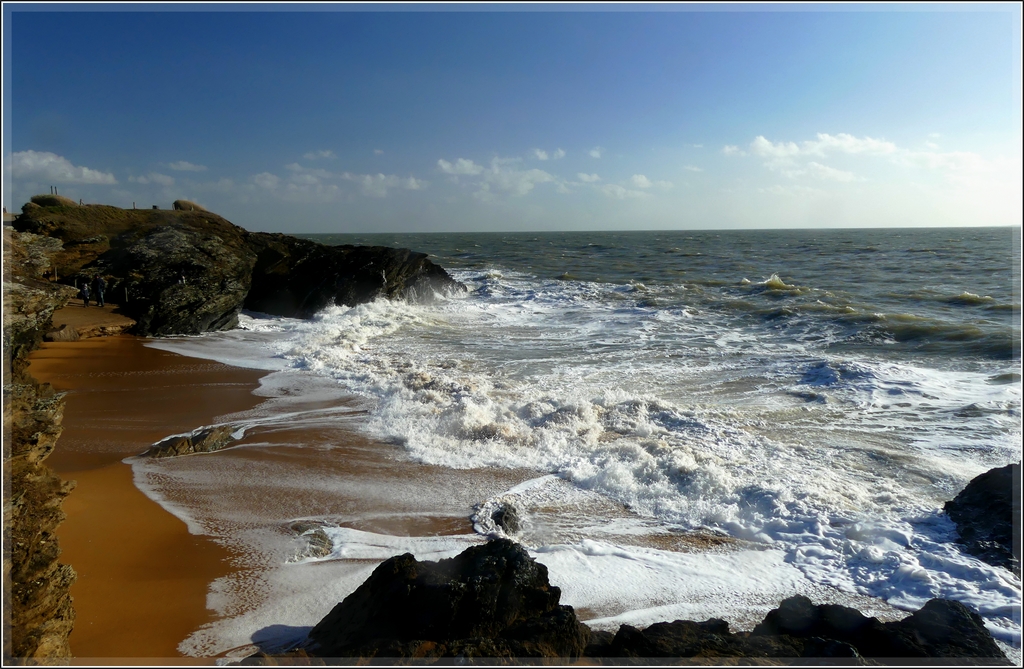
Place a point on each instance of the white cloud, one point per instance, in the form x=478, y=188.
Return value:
x=829, y=173
x=693, y=168
x=731, y=150
x=931, y=145
x=319, y=155
x=185, y=166
x=540, y=154
x=378, y=152
x=762, y=147
x=377, y=185
x=641, y=181
x=48, y=166
x=154, y=178
x=559, y=153
x=616, y=191
x=267, y=180
x=519, y=182
x=823, y=144
x=596, y=152
x=461, y=166
x=587, y=178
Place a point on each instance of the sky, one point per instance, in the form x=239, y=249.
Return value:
x=432, y=118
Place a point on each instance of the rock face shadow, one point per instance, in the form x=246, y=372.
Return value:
x=279, y=638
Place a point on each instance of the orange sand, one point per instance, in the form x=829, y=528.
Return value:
x=142, y=578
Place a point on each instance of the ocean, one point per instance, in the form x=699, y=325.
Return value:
x=804, y=401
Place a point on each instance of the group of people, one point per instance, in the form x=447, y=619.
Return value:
x=99, y=286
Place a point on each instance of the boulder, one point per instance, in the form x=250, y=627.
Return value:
x=986, y=513
x=491, y=601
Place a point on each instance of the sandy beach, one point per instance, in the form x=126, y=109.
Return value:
x=144, y=582
x=142, y=578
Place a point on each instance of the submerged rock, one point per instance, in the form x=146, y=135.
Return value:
x=986, y=513
x=202, y=441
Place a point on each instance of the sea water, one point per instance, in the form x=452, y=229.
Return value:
x=815, y=394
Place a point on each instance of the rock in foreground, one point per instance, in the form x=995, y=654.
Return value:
x=491, y=601
x=493, y=604
x=985, y=513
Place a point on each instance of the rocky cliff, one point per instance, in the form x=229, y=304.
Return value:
x=187, y=271
x=38, y=615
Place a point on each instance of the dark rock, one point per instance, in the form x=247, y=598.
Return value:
x=942, y=628
x=708, y=639
x=506, y=517
x=298, y=277
x=986, y=513
x=490, y=601
x=187, y=276
x=189, y=271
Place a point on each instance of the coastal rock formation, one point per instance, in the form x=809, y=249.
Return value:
x=38, y=616
x=493, y=604
x=985, y=513
x=298, y=277
x=490, y=601
x=187, y=271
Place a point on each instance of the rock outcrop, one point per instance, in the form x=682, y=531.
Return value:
x=38, y=615
x=494, y=604
x=189, y=271
x=986, y=513
x=298, y=277
x=491, y=601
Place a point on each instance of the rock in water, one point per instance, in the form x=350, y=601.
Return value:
x=986, y=512
x=492, y=600
x=297, y=277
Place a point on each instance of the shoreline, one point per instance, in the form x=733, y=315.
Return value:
x=136, y=562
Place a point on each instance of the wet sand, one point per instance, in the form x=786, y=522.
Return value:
x=142, y=578
x=145, y=584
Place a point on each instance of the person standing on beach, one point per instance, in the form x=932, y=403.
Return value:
x=98, y=286
x=85, y=293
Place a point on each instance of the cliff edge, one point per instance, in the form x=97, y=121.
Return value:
x=38, y=616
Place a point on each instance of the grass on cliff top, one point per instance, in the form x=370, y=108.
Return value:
x=70, y=222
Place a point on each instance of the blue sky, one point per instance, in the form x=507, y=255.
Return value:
x=347, y=120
